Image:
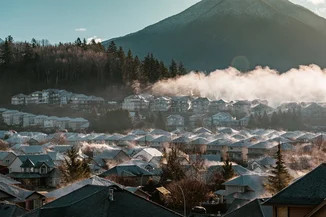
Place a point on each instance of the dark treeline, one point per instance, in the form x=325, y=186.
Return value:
x=81, y=67
x=288, y=120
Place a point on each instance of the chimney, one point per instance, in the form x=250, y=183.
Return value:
x=111, y=194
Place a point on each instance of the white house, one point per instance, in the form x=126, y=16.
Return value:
x=8, y=116
x=135, y=103
x=64, y=97
x=200, y=105
x=180, y=103
x=18, y=99
x=175, y=122
x=160, y=104
x=39, y=120
x=28, y=120
x=49, y=122
x=62, y=123
x=219, y=118
x=17, y=118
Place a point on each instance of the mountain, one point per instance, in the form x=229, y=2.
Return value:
x=215, y=34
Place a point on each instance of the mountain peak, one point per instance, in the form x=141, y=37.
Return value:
x=213, y=33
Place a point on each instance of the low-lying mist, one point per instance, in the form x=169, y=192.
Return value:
x=303, y=84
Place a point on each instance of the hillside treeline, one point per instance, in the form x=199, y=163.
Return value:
x=81, y=67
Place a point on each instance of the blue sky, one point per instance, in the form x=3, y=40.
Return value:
x=65, y=20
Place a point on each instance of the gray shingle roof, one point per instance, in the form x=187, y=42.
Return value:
x=251, y=209
x=93, y=201
x=126, y=170
x=308, y=190
x=38, y=159
x=11, y=210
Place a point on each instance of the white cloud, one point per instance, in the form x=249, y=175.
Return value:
x=81, y=30
x=97, y=39
x=316, y=2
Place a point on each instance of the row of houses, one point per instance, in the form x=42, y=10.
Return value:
x=181, y=104
x=57, y=97
x=26, y=120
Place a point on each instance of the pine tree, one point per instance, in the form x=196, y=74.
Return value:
x=172, y=170
x=181, y=69
x=227, y=170
x=78, y=42
x=112, y=49
x=74, y=169
x=265, y=120
x=173, y=69
x=280, y=177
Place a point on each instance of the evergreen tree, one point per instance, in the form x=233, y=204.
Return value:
x=227, y=170
x=280, y=177
x=74, y=169
x=78, y=42
x=275, y=120
x=252, y=122
x=173, y=69
x=265, y=123
x=112, y=49
x=181, y=69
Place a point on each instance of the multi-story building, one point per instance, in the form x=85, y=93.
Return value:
x=18, y=99
x=180, y=103
x=160, y=104
x=200, y=105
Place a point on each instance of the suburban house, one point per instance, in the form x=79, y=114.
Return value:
x=62, y=123
x=200, y=105
x=39, y=120
x=221, y=119
x=160, y=104
x=110, y=158
x=54, y=96
x=37, y=97
x=18, y=99
x=175, y=122
x=8, y=116
x=238, y=151
x=28, y=120
x=303, y=198
x=135, y=103
x=94, y=200
x=242, y=107
x=218, y=106
x=24, y=198
x=147, y=154
x=252, y=208
x=33, y=171
x=219, y=146
x=17, y=118
x=6, y=158
x=180, y=103
x=200, y=120
x=260, y=109
x=249, y=187
x=262, y=149
x=64, y=97
x=49, y=122
x=136, y=174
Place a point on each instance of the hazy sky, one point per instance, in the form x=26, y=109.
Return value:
x=65, y=20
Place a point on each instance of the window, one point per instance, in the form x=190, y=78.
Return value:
x=43, y=169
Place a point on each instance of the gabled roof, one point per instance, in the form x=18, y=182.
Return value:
x=308, y=190
x=7, y=180
x=11, y=210
x=161, y=139
x=27, y=164
x=202, y=130
x=94, y=201
x=252, y=209
x=38, y=159
x=126, y=170
x=95, y=180
x=17, y=194
x=199, y=141
x=181, y=139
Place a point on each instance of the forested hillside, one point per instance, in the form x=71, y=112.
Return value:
x=79, y=67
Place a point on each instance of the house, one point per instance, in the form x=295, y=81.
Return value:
x=32, y=150
x=39, y=120
x=135, y=173
x=144, y=140
x=18, y=99
x=6, y=158
x=262, y=165
x=17, y=118
x=242, y=107
x=8, y=116
x=49, y=122
x=200, y=120
x=160, y=142
x=180, y=104
x=219, y=146
x=28, y=120
x=252, y=208
x=303, y=198
x=37, y=97
x=8, y=209
x=175, y=122
x=62, y=123
x=218, y=106
x=260, y=109
x=92, y=200
x=24, y=198
x=33, y=170
x=249, y=187
x=61, y=192
x=147, y=154
x=160, y=104
x=78, y=124
x=262, y=149
x=78, y=99
x=238, y=151
x=135, y=103
x=198, y=145
x=110, y=158
x=54, y=96
x=220, y=119
x=200, y=105
x=31, y=98
x=64, y=97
